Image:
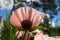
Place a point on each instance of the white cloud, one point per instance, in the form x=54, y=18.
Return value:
x=36, y=0
x=53, y=25
x=28, y=0
x=6, y=4
x=48, y=15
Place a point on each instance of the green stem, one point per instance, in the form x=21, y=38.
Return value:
x=23, y=38
x=11, y=33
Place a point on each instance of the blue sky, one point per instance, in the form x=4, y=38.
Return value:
x=3, y=13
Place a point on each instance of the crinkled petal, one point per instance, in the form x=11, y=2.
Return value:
x=34, y=20
x=33, y=13
x=52, y=38
x=23, y=11
x=15, y=21
x=38, y=37
x=19, y=14
x=40, y=18
x=19, y=34
x=37, y=18
x=28, y=12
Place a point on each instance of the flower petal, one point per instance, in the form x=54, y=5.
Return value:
x=19, y=34
x=15, y=21
x=36, y=18
x=33, y=13
x=27, y=12
x=19, y=14
x=40, y=18
x=23, y=13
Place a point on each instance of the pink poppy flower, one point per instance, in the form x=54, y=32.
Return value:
x=26, y=18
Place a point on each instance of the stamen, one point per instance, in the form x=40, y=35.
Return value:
x=26, y=24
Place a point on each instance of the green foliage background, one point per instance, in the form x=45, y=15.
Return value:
x=8, y=32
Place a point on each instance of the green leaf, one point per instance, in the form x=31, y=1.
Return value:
x=37, y=27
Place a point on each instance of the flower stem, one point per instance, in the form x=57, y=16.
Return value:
x=23, y=37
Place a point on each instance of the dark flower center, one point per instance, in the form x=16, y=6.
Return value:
x=26, y=24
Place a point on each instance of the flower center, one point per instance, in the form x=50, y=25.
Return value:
x=26, y=24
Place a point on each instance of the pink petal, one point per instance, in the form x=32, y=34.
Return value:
x=23, y=11
x=33, y=13
x=38, y=37
x=52, y=38
x=45, y=37
x=19, y=14
x=39, y=20
x=27, y=12
x=19, y=34
x=15, y=21
x=34, y=20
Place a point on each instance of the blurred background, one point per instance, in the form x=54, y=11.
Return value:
x=50, y=25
